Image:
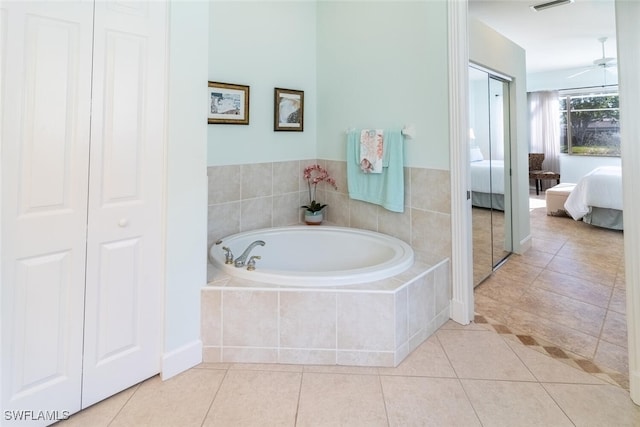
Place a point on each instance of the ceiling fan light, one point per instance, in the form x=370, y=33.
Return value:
x=546, y=5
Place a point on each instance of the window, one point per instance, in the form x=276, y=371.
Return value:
x=590, y=124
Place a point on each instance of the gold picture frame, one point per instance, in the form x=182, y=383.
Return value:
x=288, y=110
x=228, y=104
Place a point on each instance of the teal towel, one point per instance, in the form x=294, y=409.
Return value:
x=385, y=189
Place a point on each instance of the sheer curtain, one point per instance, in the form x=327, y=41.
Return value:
x=544, y=114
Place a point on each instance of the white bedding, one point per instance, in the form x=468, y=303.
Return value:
x=602, y=187
x=480, y=181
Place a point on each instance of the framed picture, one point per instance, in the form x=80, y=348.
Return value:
x=288, y=110
x=228, y=104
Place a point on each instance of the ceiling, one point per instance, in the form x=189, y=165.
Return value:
x=558, y=38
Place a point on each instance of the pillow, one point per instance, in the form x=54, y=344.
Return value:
x=475, y=155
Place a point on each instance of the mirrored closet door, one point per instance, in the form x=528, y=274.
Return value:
x=489, y=156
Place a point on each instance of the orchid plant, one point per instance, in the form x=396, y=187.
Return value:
x=315, y=174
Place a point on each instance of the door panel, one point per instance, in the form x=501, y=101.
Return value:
x=123, y=321
x=45, y=157
x=491, y=200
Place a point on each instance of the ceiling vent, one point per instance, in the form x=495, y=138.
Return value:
x=547, y=5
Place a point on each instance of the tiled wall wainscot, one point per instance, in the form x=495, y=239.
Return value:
x=261, y=195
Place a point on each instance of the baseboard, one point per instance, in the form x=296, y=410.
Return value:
x=181, y=359
x=525, y=245
x=634, y=387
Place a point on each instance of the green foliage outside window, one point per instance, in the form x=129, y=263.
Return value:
x=590, y=124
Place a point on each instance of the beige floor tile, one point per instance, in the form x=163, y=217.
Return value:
x=102, y=413
x=278, y=367
x=254, y=398
x=482, y=355
x=211, y=365
x=547, y=369
x=569, y=339
x=574, y=287
x=618, y=301
x=558, y=307
x=518, y=271
x=414, y=401
x=583, y=269
x=428, y=360
x=613, y=357
x=507, y=403
x=586, y=250
x=614, y=330
x=455, y=325
x=534, y=257
x=589, y=405
x=563, y=310
x=507, y=292
x=549, y=245
x=340, y=369
x=491, y=308
x=181, y=400
x=341, y=399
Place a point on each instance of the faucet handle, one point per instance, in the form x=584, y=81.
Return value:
x=251, y=264
x=228, y=255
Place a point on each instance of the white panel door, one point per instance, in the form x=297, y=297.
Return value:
x=45, y=156
x=123, y=322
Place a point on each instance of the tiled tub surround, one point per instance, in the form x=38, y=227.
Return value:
x=260, y=195
x=371, y=324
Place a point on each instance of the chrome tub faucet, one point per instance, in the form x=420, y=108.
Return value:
x=241, y=260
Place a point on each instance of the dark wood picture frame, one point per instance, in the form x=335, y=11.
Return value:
x=228, y=104
x=288, y=110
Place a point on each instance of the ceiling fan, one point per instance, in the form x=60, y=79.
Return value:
x=605, y=62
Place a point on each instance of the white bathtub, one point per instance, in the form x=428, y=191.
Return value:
x=316, y=256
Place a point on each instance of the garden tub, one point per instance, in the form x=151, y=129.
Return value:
x=315, y=256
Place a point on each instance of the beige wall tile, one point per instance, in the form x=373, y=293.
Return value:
x=366, y=321
x=250, y=318
x=308, y=320
x=402, y=316
x=256, y=213
x=211, y=317
x=363, y=215
x=257, y=180
x=224, y=184
x=421, y=308
x=285, y=177
x=249, y=355
x=223, y=220
x=286, y=209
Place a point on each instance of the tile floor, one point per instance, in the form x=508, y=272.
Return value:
x=547, y=321
x=461, y=376
x=567, y=290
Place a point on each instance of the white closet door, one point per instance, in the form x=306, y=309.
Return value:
x=46, y=52
x=123, y=322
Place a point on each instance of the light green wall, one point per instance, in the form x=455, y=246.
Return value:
x=263, y=44
x=384, y=64
x=186, y=171
x=361, y=64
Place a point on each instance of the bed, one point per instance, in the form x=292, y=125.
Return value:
x=487, y=184
x=597, y=198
